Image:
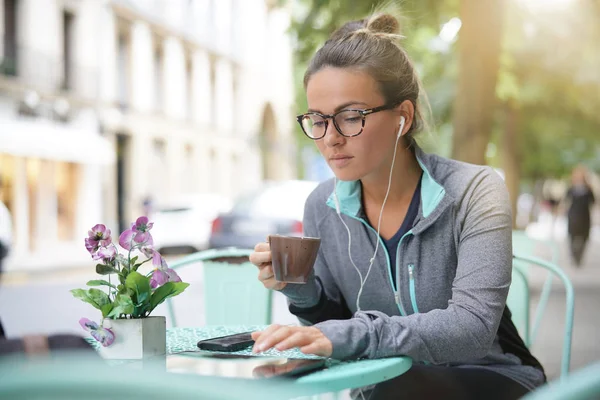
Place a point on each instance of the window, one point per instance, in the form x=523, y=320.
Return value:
x=8, y=63
x=67, y=20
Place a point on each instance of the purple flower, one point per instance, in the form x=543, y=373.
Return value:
x=159, y=278
x=138, y=234
x=98, y=236
x=91, y=245
x=126, y=239
x=142, y=227
x=148, y=251
x=162, y=276
x=101, y=234
x=107, y=254
x=103, y=335
x=162, y=273
x=158, y=261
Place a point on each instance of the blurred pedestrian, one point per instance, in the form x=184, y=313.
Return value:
x=581, y=197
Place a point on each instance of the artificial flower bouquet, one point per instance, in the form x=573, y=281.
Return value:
x=131, y=294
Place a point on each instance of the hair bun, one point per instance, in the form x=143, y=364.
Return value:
x=384, y=23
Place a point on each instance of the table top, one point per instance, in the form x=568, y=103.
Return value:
x=339, y=375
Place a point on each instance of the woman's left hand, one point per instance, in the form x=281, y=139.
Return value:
x=309, y=339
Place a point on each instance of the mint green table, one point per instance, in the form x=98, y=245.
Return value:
x=336, y=377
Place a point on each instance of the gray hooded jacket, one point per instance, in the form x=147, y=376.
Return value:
x=453, y=271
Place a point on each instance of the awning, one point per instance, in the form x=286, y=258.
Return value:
x=51, y=141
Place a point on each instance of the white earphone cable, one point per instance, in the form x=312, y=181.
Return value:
x=372, y=260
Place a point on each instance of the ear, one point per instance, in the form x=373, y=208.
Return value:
x=406, y=109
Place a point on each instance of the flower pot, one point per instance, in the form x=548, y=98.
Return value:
x=136, y=338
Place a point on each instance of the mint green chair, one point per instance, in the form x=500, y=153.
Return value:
x=72, y=376
x=519, y=294
x=519, y=261
x=233, y=295
x=583, y=384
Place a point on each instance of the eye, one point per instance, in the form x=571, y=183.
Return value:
x=352, y=119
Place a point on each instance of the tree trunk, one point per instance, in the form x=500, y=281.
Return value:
x=479, y=53
x=511, y=159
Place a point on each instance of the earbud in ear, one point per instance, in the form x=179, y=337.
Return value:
x=401, y=126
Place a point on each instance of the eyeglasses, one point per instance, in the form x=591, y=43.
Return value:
x=348, y=122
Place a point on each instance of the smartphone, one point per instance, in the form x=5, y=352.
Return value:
x=235, y=342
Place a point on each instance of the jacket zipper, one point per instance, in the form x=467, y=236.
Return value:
x=398, y=280
x=395, y=288
x=413, y=296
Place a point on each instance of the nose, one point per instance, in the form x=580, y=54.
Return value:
x=332, y=136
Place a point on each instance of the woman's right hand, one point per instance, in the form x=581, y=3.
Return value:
x=261, y=257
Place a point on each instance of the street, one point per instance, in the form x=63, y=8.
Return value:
x=41, y=303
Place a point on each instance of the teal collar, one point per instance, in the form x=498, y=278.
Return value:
x=349, y=192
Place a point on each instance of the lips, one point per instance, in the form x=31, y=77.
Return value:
x=340, y=160
x=339, y=157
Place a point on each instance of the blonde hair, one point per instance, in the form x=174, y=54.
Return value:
x=373, y=45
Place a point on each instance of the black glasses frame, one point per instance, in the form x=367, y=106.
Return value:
x=326, y=118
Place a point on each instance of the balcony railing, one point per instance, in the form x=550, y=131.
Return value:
x=49, y=74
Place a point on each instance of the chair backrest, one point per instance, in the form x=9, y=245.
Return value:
x=519, y=295
x=233, y=294
x=554, y=270
x=519, y=303
x=525, y=244
x=583, y=384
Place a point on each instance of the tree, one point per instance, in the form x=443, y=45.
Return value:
x=479, y=54
x=549, y=87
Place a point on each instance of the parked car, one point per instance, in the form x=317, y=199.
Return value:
x=184, y=225
x=274, y=208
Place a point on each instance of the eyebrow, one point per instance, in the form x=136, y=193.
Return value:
x=341, y=106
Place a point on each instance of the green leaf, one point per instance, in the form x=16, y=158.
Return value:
x=122, y=305
x=82, y=295
x=98, y=296
x=139, y=311
x=140, y=286
x=106, y=309
x=103, y=269
x=100, y=282
x=133, y=260
x=169, y=289
x=95, y=297
x=124, y=273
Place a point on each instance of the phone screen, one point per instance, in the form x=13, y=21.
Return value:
x=240, y=366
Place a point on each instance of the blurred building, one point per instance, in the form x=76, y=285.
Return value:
x=107, y=104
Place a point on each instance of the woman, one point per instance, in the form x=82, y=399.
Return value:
x=415, y=254
x=581, y=199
